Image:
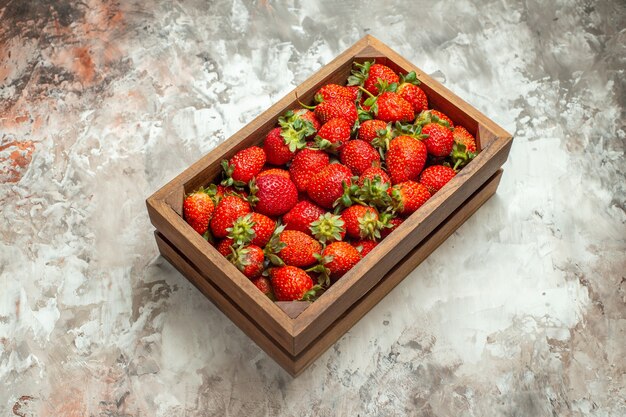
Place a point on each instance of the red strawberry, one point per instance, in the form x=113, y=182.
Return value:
x=328, y=228
x=264, y=285
x=273, y=195
x=354, y=90
x=333, y=134
x=369, y=129
x=393, y=224
x=409, y=90
x=306, y=163
x=248, y=259
x=440, y=139
x=361, y=222
x=229, y=209
x=290, y=283
x=198, y=209
x=436, y=176
x=253, y=228
x=390, y=107
x=463, y=137
x=224, y=247
x=219, y=191
x=332, y=92
x=359, y=155
x=276, y=148
x=274, y=171
x=308, y=115
x=433, y=116
x=299, y=248
x=408, y=196
x=339, y=257
x=301, y=216
x=369, y=74
x=373, y=173
x=374, y=184
x=365, y=246
x=326, y=187
x=342, y=108
x=405, y=159
x=244, y=165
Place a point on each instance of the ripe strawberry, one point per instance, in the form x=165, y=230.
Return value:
x=290, y=283
x=305, y=164
x=369, y=75
x=328, y=228
x=408, y=196
x=342, y=108
x=273, y=195
x=198, y=209
x=265, y=286
x=390, y=107
x=409, y=90
x=249, y=260
x=373, y=185
x=361, y=222
x=333, y=134
x=276, y=148
x=243, y=166
x=330, y=92
x=433, y=116
x=338, y=258
x=229, y=209
x=307, y=115
x=463, y=137
x=364, y=246
x=405, y=159
x=301, y=216
x=354, y=90
x=440, y=139
x=274, y=171
x=224, y=246
x=392, y=224
x=219, y=191
x=299, y=248
x=373, y=173
x=369, y=129
x=253, y=228
x=436, y=176
x=326, y=186
x=359, y=155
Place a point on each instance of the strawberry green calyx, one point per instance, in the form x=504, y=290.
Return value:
x=382, y=139
x=328, y=228
x=384, y=85
x=274, y=246
x=410, y=78
x=349, y=196
x=228, y=176
x=360, y=73
x=460, y=156
x=238, y=257
x=385, y=219
x=321, y=269
x=374, y=192
x=314, y=293
x=295, y=129
x=427, y=117
x=370, y=226
x=407, y=129
x=242, y=231
x=396, y=200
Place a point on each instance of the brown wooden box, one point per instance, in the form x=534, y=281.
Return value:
x=295, y=333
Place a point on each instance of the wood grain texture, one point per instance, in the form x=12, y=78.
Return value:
x=296, y=364
x=295, y=328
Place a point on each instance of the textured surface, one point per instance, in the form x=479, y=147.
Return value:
x=522, y=312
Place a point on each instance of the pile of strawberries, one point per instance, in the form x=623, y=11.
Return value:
x=330, y=182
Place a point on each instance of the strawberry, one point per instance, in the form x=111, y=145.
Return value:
x=274, y=171
x=333, y=134
x=373, y=186
x=342, y=108
x=405, y=159
x=390, y=107
x=361, y=222
x=243, y=166
x=301, y=216
x=354, y=90
x=265, y=286
x=307, y=115
x=304, y=164
x=273, y=195
x=298, y=248
x=364, y=246
x=338, y=258
x=392, y=224
x=229, y=209
x=330, y=92
x=276, y=148
x=219, y=191
x=326, y=186
x=253, y=228
x=436, y=176
x=463, y=137
x=408, y=196
x=408, y=89
x=328, y=228
x=290, y=283
x=359, y=155
x=248, y=259
x=439, y=141
x=198, y=208
x=282, y=142
x=373, y=173
x=224, y=246
x=369, y=75
x=369, y=129
x=433, y=116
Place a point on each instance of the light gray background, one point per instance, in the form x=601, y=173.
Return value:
x=522, y=312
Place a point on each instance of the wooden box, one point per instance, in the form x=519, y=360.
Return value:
x=295, y=333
